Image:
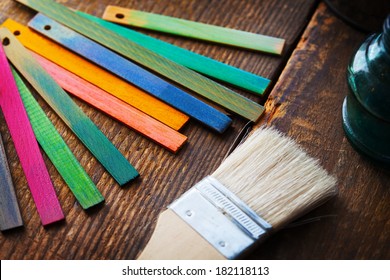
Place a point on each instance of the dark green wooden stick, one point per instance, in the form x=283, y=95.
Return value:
x=177, y=73
x=56, y=149
x=68, y=111
x=9, y=209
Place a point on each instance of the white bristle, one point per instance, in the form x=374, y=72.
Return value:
x=275, y=177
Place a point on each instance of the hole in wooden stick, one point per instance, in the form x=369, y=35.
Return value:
x=16, y=32
x=6, y=41
x=120, y=16
x=47, y=27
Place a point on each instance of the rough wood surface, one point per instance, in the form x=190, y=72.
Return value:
x=354, y=225
x=306, y=104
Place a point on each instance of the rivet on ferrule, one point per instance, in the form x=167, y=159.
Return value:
x=220, y=217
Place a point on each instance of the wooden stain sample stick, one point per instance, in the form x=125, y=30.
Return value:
x=115, y=163
x=59, y=153
x=9, y=209
x=177, y=73
x=142, y=123
x=26, y=146
x=199, y=63
x=131, y=72
x=97, y=76
x=267, y=182
x=194, y=29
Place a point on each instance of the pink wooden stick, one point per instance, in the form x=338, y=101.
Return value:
x=26, y=146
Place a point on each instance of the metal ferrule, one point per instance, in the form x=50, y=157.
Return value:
x=220, y=217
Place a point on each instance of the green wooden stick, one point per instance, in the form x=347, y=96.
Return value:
x=194, y=29
x=68, y=111
x=199, y=63
x=180, y=74
x=56, y=149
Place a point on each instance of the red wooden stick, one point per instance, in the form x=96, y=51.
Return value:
x=26, y=146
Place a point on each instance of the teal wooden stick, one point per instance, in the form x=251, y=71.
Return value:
x=58, y=151
x=202, y=64
x=182, y=75
x=68, y=111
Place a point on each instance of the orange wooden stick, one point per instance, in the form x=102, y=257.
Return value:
x=139, y=121
x=97, y=76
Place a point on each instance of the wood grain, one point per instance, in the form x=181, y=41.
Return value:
x=177, y=73
x=56, y=149
x=194, y=29
x=142, y=123
x=97, y=76
x=131, y=72
x=73, y=116
x=199, y=63
x=29, y=154
x=173, y=238
x=10, y=216
x=121, y=228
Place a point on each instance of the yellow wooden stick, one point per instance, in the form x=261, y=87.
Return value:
x=97, y=76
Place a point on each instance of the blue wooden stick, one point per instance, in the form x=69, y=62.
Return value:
x=131, y=73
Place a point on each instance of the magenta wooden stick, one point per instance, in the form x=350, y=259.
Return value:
x=26, y=146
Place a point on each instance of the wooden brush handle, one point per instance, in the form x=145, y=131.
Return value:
x=175, y=239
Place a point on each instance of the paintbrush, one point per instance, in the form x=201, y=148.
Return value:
x=265, y=183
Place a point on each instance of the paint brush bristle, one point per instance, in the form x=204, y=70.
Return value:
x=275, y=177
